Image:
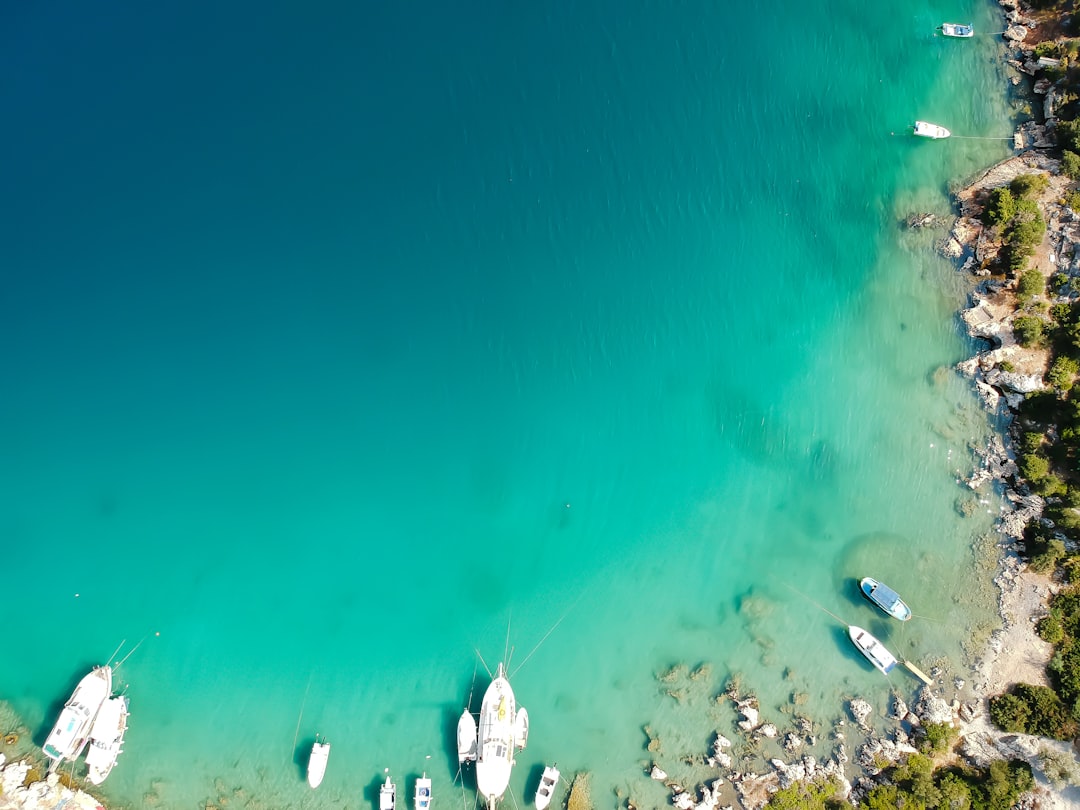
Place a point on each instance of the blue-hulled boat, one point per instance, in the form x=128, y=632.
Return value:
x=885, y=598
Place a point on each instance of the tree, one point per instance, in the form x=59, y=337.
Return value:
x=1062, y=372
x=1070, y=164
x=1028, y=185
x=1032, y=283
x=1002, y=207
x=1028, y=330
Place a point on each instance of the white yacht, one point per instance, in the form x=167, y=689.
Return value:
x=316, y=766
x=72, y=728
x=927, y=130
x=466, y=737
x=106, y=738
x=496, y=739
x=422, y=798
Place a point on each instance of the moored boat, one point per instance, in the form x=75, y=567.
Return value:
x=72, y=729
x=316, y=766
x=925, y=129
x=521, y=729
x=422, y=796
x=387, y=794
x=885, y=598
x=872, y=649
x=106, y=738
x=466, y=737
x=495, y=743
x=957, y=30
x=548, y=782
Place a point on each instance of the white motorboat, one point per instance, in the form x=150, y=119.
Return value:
x=422, y=796
x=387, y=794
x=927, y=130
x=521, y=729
x=885, y=598
x=873, y=650
x=548, y=782
x=495, y=743
x=316, y=765
x=466, y=737
x=106, y=738
x=72, y=729
x=957, y=30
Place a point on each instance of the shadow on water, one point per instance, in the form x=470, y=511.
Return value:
x=52, y=712
x=532, y=781
x=371, y=792
x=302, y=755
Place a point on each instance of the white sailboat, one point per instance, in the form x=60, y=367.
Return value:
x=466, y=737
x=422, y=797
x=316, y=766
x=387, y=794
x=548, y=782
x=496, y=739
x=72, y=729
x=106, y=738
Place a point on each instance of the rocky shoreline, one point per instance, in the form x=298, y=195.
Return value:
x=1003, y=374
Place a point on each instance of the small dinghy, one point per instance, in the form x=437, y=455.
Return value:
x=521, y=728
x=387, y=794
x=316, y=766
x=957, y=30
x=872, y=649
x=925, y=129
x=885, y=598
x=422, y=798
x=548, y=782
x=466, y=738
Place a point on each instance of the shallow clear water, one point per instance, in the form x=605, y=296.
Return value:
x=340, y=341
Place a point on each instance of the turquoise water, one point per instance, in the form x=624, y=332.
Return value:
x=344, y=346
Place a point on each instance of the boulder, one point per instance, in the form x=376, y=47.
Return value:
x=658, y=773
x=860, y=710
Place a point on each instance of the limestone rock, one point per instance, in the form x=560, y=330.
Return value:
x=860, y=710
x=657, y=773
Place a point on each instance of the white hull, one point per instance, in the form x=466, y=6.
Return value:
x=957, y=30
x=316, y=766
x=466, y=738
x=422, y=797
x=872, y=649
x=495, y=745
x=548, y=782
x=924, y=129
x=521, y=729
x=106, y=739
x=387, y=795
x=72, y=729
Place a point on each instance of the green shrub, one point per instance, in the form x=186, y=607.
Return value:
x=814, y=795
x=1045, y=563
x=1002, y=207
x=1032, y=709
x=1034, y=467
x=1048, y=48
x=1070, y=164
x=1029, y=330
x=1028, y=185
x=939, y=737
x=1068, y=135
x=1072, y=198
x=1031, y=284
x=1062, y=372
x=1031, y=441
